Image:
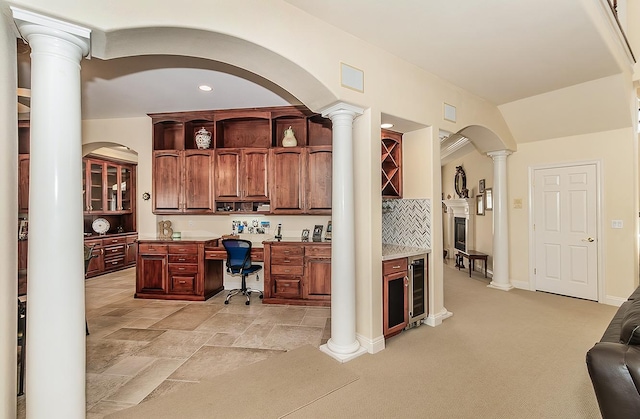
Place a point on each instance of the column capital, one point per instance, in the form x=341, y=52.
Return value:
x=499, y=153
x=342, y=108
x=30, y=23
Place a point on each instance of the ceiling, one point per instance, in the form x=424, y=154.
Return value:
x=500, y=50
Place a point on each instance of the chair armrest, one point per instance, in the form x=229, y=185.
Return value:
x=614, y=369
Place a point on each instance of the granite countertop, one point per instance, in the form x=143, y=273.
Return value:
x=395, y=251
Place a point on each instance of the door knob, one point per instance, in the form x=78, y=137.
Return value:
x=589, y=239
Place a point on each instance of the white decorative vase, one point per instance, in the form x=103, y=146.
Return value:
x=289, y=139
x=203, y=139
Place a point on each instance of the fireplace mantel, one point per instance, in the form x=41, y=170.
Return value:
x=460, y=208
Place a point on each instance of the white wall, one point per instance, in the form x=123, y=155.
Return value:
x=8, y=219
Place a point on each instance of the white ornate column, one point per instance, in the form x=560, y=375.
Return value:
x=55, y=367
x=343, y=344
x=500, y=278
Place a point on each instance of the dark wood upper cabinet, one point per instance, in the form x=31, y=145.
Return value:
x=109, y=186
x=23, y=183
x=182, y=181
x=249, y=171
x=167, y=181
x=198, y=184
x=287, y=180
x=318, y=180
x=241, y=174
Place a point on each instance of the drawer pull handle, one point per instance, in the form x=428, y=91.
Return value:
x=287, y=261
x=181, y=259
x=181, y=269
x=183, y=282
x=114, y=263
x=287, y=285
x=396, y=267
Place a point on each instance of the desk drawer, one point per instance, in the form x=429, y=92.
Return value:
x=152, y=248
x=318, y=251
x=114, y=250
x=184, y=258
x=114, y=240
x=286, y=260
x=180, y=268
x=113, y=263
x=287, y=270
x=183, y=284
x=287, y=288
x=286, y=251
x=183, y=248
x=393, y=266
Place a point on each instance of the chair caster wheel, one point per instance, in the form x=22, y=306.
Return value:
x=261, y=297
x=226, y=302
x=247, y=303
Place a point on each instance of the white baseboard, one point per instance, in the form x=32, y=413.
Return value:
x=523, y=285
x=613, y=301
x=372, y=346
x=434, y=320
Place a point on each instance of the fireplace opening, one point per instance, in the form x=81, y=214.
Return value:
x=460, y=233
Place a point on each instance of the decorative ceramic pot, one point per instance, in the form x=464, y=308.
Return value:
x=203, y=138
x=289, y=139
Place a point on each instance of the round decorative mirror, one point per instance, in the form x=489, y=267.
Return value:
x=460, y=183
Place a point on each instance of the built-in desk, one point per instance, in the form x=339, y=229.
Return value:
x=295, y=271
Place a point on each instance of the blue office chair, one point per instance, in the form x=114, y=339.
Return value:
x=239, y=263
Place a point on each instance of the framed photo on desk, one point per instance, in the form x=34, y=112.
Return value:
x=317, y=233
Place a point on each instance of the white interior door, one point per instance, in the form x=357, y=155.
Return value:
x=565, y=231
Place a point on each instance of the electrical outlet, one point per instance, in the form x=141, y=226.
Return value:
x=190, y=223
x=616, y=224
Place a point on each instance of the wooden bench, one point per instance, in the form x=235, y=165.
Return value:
x=472, y=255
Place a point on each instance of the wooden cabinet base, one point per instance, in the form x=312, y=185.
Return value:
x=111, y=253
x=169, y=270
x=297, y=273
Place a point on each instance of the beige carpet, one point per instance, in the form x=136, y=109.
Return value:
x=272, y=388
x=507, y=355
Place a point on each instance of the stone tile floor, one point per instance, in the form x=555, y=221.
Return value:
x=141, y=349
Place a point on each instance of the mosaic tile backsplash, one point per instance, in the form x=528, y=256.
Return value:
x=406, y=222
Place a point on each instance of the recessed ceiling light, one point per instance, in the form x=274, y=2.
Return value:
x=205, y=88
x=386, y=125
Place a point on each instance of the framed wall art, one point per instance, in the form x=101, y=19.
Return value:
x=480, y=204
x=488, y=199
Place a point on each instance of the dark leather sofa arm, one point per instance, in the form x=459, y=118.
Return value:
x=615, y=373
